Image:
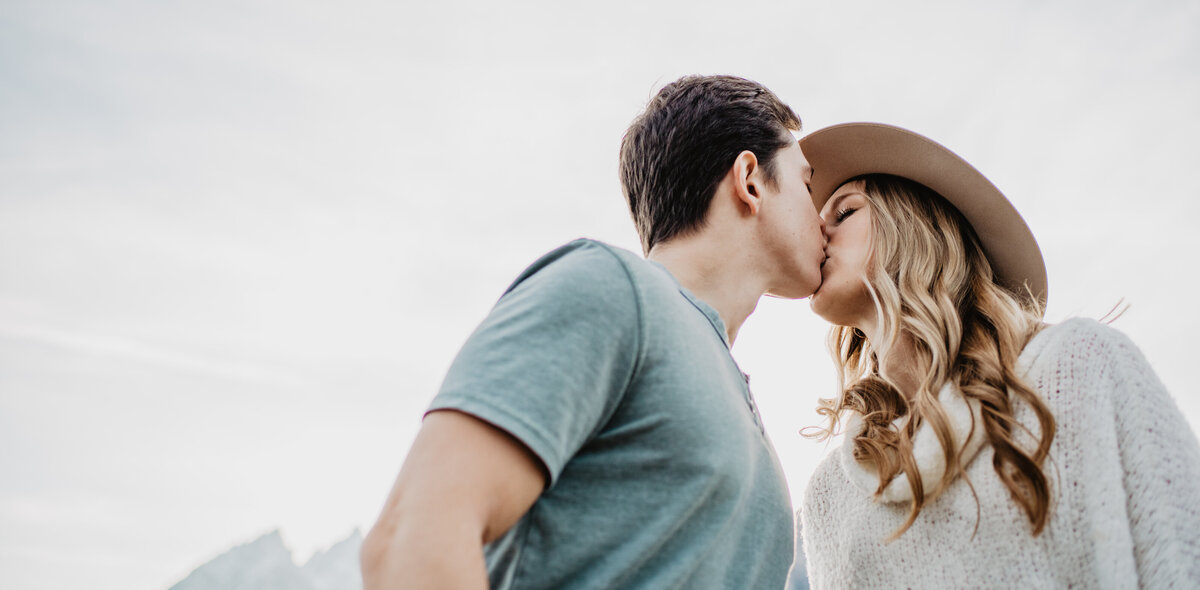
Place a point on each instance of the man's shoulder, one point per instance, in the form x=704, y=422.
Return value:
x=585, y=264
x=592, y=249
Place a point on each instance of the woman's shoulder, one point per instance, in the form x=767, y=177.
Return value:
x=1084, y=338
x=1080, y=364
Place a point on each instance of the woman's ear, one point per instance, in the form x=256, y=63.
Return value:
x=747, y=187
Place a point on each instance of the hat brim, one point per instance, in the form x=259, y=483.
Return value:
x=841, y=152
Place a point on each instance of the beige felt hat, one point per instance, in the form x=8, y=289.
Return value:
x=841, y=152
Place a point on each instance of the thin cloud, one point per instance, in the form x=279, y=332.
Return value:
x=127, y=349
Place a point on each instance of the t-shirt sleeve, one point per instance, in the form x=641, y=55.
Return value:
x=553, y=359
x=1161, y=460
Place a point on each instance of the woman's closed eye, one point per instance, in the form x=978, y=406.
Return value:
x=842, y=214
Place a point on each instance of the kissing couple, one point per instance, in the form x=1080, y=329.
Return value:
x=595, y=431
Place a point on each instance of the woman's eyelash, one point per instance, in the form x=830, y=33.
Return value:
x=843, y=213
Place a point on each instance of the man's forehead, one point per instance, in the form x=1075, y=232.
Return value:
x=805, y=166
x=794, y=156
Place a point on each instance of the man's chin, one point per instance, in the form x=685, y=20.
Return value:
x=814, y=291
x=818, y=289
x=821, y=283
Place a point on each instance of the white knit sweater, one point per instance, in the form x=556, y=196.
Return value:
x=1125, y=474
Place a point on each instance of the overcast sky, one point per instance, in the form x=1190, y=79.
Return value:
x=240, y=242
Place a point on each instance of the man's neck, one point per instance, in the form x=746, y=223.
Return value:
x=714, y=272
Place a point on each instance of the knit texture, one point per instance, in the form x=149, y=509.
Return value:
x=963, y=414
x=1125, y=498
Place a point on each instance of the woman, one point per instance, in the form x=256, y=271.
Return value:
x=983, y=448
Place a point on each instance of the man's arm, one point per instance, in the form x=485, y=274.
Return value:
x=530, y=386
x=463, y=484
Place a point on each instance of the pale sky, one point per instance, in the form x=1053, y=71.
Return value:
x=240, y=242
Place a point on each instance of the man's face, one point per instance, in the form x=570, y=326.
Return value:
x=792, y=226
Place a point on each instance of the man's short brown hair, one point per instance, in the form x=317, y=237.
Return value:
x=675, y=154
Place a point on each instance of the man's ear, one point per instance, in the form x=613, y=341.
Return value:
x=746, y=185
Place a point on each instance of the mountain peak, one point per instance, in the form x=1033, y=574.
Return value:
x=332, y=568
x=266, y=564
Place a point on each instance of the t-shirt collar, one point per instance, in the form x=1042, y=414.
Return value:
x=709, y=311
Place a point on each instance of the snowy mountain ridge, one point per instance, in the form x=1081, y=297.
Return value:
x=266, y=564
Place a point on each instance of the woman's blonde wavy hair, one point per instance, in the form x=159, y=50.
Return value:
x=929, y=278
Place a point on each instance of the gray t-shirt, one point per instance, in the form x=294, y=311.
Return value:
x=621, y=382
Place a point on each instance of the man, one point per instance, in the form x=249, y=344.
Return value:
x=594, y=431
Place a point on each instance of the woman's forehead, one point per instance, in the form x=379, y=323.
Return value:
x=848, y=190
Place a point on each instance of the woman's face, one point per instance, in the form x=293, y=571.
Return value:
x=842, y=298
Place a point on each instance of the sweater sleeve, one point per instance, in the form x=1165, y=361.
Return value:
x=1160, y=458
